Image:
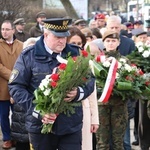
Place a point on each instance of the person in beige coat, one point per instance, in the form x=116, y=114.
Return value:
x=90, y=120
x=90, y=110
x=10, y=48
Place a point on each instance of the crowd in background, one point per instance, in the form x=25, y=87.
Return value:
x=83, y=34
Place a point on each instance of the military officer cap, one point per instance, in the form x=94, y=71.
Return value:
x=110, y=34
x=41, y=14
x=138, y=31
x=19, y=21
x=58, y=26
x=147, y=23
x=81, y=22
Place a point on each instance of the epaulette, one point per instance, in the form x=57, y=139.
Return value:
x=27, y=49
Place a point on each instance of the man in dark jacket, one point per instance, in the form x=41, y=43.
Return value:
x=19, y=30
x=26, y=77
x=37, y=30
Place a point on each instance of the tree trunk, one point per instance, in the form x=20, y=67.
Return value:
x=69, y=9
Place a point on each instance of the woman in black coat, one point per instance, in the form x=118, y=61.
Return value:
x=18, y=131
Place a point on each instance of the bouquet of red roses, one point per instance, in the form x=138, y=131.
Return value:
x=49, y=97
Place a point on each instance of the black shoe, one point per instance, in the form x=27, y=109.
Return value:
x=135, y=143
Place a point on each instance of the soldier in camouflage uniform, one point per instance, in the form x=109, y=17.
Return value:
x=113, y=115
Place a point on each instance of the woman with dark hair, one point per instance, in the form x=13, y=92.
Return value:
x=76, y=37
x=96, y=33
x=90, y=108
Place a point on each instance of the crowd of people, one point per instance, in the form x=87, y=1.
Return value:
x=26, y=57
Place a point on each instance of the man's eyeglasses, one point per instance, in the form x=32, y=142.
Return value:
x=3, y=29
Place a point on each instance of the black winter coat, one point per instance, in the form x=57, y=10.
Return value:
x=18, y=130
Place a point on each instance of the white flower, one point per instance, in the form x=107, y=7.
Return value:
x=119, y=65
x=106, y=64
x=128, y=67
x=47, y=92
x=140, y=49
x=139, y=44
x=134, y=68
x=117, y=75
x=41, y=86
x=122, y=60
x=146, y=54
x=47, y=77
x=44, y=82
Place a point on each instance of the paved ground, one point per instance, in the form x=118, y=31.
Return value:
x=132, y=138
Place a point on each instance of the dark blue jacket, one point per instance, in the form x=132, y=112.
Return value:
x=126, y=45
x=31, y=67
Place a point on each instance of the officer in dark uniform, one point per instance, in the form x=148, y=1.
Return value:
x=19, y=30
x=32, y=66
x=37, y=30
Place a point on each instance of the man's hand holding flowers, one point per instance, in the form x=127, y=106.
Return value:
x=71, y=95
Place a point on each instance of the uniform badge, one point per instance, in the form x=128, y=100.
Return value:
x=13, y=75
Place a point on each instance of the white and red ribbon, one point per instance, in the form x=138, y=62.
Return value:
x=109, y=84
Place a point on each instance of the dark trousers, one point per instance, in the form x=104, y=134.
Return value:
x=22, y=146
x=144, y=125
x=136, y=121
x=4, y=119
x=53, y=142
x=94, y=142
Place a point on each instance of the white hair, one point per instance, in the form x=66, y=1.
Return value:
x=114, y=19
x=30, y=41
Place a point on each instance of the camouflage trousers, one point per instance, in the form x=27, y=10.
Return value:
x=113, y=122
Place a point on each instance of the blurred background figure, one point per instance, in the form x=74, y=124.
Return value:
x=129, y=28
x=147, y=26
x=92, y=24
x=100, y=20
x=138, y=24
x=139, y=35
x=20, y=33
x=96, y=33
x=38, y=29
x=88, y=34
x=80, y=23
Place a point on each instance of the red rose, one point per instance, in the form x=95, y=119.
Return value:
x=62, y=66
x=140, y=72
x=53, y=84
x=84, y=79
x=84, y=53
x=74, y=58
x=147, y=83
x=129, y=78
x=134, y=65
x=98, y=58
x=55, y=77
